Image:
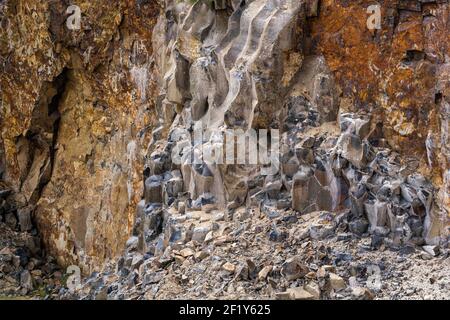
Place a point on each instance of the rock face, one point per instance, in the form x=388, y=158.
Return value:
x=74, y=118
x=357, y=120
x=399, y=73
x=346, y=102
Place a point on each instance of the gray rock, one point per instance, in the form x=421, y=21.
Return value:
x=199, y=233
x=358, y=197
x=152, y=278
x=323, y=228
x=181, y=207
x=355, y=124
x=377, y=214
x=10, y=220
x=358, y=226
x=137, y=260
x=360, y=293
x=26, y=281
x=24, y=217
x=173, y=186
x=294, y=268
x=432, y=250
x=352, y=149
x=132, y=244
x=153, y=189
x=273, y=188
x=301, y=189
x=153, y=223
x=344, y=237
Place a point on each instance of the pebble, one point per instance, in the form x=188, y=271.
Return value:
x=337, y=282
x=26, y=281
x=432, y=250
x=299, y=294
x=313, y=289
x=229, y=267
x=187, y=252
x=361, y=293
x=262, y=275
x=293, y=269
x=201, y=255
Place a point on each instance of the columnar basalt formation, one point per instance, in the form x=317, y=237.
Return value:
x=98, y=123
x=348, y=101
x=400, y=74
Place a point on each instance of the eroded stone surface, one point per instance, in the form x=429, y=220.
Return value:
x=342, y=143
x=74, y=118
x=362, y=117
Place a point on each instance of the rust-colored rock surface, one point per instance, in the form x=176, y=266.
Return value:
x=74, y=120
x=400, y=73
x=87, y=115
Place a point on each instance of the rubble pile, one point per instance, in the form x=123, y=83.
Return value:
x=25, y=270
x=254, y=256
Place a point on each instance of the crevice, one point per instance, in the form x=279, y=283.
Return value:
x=438, y=98
x=47, y=123
x=413, y=56
x=36, y=157
x=53, y=111
x=17, y=210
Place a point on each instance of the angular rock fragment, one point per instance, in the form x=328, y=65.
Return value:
x=153, y=189
x=229, y=267
x=293, y=269
x=337, y=282
x=377, y=214
x=352, y=149
x=299, y=294
x=24, y=217
x=360, y=293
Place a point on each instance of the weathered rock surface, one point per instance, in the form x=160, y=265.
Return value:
x=242, y=261
x=358, y=120
x=265, y=65
x=74, y=117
